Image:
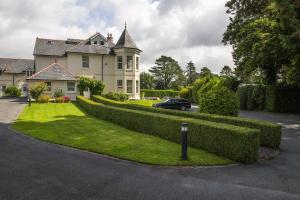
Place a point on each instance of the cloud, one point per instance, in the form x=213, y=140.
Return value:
x=185, y=30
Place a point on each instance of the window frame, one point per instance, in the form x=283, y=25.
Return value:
x=85, y=64
x=129, y=64
x=74, y=89
x=129, y=89
x=136, y=86
x=118, y=85
x=49, y=84
x=29, y=73
x=137, y=63
x=120, y=62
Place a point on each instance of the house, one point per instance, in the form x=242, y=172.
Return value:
x=14, y=72
x=60, y=63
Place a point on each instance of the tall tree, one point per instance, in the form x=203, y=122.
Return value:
x=254, y=33
x=190, y=72
x=226, y=71
x=147, y=81
x=166, y=71
x=205, y=72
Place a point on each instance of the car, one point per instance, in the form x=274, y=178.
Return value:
x=179, y=104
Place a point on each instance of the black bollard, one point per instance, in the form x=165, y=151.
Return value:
x=184, y=140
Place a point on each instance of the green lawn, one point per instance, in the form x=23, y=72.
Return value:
x=148, y=103
x=68, y=125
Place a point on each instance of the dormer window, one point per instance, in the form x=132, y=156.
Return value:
x=29, y=72
x=95, y=42
x=102, y=43
x=50, y=42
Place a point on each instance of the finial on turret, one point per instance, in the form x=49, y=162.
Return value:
x=125, y=25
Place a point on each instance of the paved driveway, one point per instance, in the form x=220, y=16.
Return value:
x=31, y=169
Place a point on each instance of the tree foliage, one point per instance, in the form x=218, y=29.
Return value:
x=190, y=72
x=147, y=81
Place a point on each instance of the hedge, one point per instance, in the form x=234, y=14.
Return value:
x=159, y=93
x=283, y=99
x=237, y=143
x=270, y=133
x=252, y=97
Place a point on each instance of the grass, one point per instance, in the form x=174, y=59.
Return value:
x=68, y=125
x=147, y=103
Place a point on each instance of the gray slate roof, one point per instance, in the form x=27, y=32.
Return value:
x=125, y=41
x=51, y=47
x=11, y=65
x=55, y=72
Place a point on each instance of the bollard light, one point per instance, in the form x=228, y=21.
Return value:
x=184, y=133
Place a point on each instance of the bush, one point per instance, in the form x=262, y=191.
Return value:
x=96, y=87
x=58, y=93
x=252, y=97
x=281, y=98
x=66, y=99
x=236, y=143
x=44, y=99
x=186, y=93
x=37, y=90
x=116, y=96
x=13, y=91
x=59, y=100
x=220, y=101
x=198, y=84
x=270, y=133
x=159, y=93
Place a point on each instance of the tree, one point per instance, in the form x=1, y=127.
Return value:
x=190, y=72
x=205, y=72
x=226, y=71
x=147, y=81
x=166, y=71
x=37, y=90
x=255, y=35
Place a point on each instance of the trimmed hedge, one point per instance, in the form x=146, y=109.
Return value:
x=237, y=143
x=270, y=133
x=159, y=93
x=252, y=97
x=284, y=99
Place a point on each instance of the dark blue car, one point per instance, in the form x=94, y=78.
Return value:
x=179, y=104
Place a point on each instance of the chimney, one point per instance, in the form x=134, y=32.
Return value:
x=110, y=37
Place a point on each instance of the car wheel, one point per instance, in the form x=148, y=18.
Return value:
x=182, y=108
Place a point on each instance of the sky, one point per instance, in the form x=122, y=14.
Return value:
x=187, y=30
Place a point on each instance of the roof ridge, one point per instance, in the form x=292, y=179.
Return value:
x=16, y=58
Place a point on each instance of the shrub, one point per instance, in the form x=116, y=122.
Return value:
x=116, y=96
x=242, y=96
x=252, y=97
x=236, y=143
x=13, y=91
x=83, y=84
x=219, y=101
x=186, y=93
x=44, y=99
x=199, y=83
x=270, y=133
x=282, y=98
x=58, y=93
x=159, y=93
x=96, y=87
x=37, y=90
x=59, y=99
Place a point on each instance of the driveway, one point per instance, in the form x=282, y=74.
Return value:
x=31, y=169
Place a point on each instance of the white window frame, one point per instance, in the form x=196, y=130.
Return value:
x=120, y=62
x=29, y=73
x=129, y=86
x=129, y=63
x=68, y=86
x=85, y=61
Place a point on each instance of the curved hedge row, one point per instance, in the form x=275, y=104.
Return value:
x=159, y=93
x=270, y=133
x=237, y=143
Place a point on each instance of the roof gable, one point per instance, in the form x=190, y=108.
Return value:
x=55, y=72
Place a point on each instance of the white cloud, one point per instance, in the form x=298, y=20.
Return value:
x=185, y=30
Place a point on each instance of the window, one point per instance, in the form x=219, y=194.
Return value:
x=137, y=63
x=48, y=86
x=29, y=72
x=71, y=86
x=95, y=42
x=129, y=62
x=102, y=43
x=129, y=86
x=120, y=62
x=136, y=86
x=85, y=61
x=3, y=87
x=119, y=84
